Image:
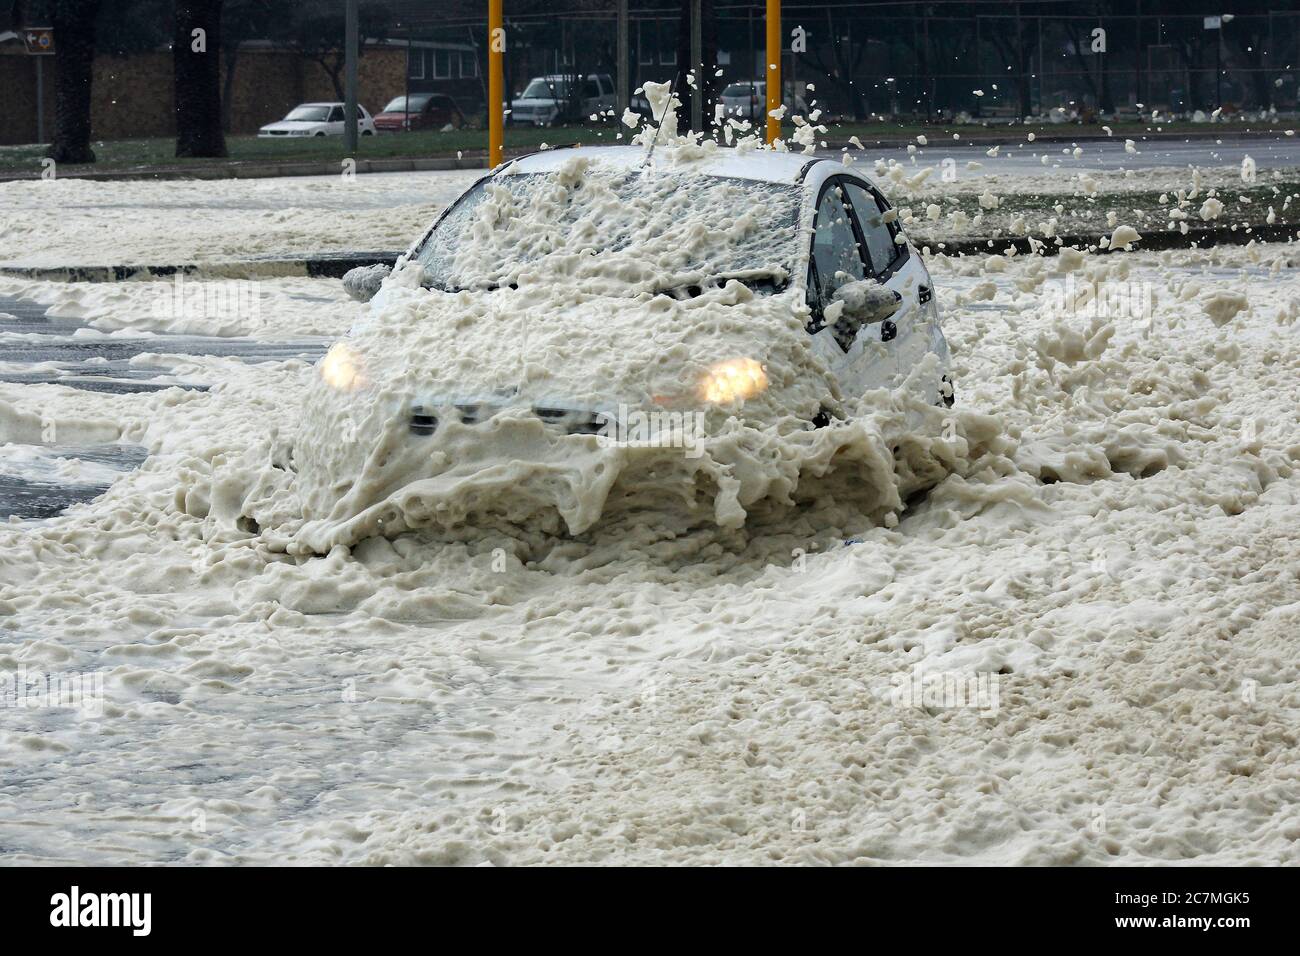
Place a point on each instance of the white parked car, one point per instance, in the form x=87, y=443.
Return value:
x=761, y=295
x=547, y=99
x=748, y=101
x=317, y=119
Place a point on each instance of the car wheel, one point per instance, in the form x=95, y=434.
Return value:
x=457, y=121
x=367, y=132
x=320, y=134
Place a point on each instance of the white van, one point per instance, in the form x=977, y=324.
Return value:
x=548, y=99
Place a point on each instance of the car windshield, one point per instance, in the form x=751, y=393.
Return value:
x=399, y=104
x=741, y=89
x=639, y=230
x=309, y=114
x=545, y=89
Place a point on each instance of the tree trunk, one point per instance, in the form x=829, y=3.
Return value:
x=333, y=65
x=74, y=37
x=196, y=62
x=228, y=85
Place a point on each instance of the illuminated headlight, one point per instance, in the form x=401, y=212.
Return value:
x=733, y=381
x=341, y=368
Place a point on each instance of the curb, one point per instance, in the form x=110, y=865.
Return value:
x=335, y=265
x=264, y=170
x=977, y=135
x=323, y=266
x=1150, y=242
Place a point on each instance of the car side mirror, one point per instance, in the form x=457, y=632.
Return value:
x=859, y=303
x=363, y=282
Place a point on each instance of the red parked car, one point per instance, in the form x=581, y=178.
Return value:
x=419, y=111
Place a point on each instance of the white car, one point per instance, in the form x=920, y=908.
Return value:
x=317, y=119
x=762, y=295
x=546, y=99
x=748, y=101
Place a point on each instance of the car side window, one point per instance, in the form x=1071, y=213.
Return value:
x=336, y=115
x=882, y=251
x=836, y=258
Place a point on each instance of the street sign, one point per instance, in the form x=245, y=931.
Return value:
x=39, y=40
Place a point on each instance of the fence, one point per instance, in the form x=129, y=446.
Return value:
x=926, y=61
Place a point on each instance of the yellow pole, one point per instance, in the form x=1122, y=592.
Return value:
x=773, y=68
x=496, y=82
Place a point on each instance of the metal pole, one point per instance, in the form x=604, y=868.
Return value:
x=623, y=85
x=1218, y=70
x=1137, y=59
x=753, y=55
x=350, y=80
x=40, y=98
x=496, y=46
x=927, y=91
x=697, y=67
x=773, y=69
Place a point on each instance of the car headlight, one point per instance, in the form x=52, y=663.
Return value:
x=733, y=380
x=341, y=368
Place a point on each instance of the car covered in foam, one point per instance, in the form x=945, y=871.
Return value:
x=614, y=325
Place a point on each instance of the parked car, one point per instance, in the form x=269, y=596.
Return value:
x=317, y=119
x=419, y=111
x=748, y=101
x=549, y=99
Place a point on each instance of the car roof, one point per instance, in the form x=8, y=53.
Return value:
x=320, y=103
x=762, y=165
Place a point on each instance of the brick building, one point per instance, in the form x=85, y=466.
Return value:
x=132, y=96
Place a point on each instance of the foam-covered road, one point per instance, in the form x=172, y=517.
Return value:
x=1078, y=647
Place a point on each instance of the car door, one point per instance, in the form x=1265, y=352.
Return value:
x=334, y=126
x=907, y=334
x=837, y=257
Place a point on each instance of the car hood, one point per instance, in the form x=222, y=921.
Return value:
x=292, y=125
x=536, y=365
x=470, y=413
